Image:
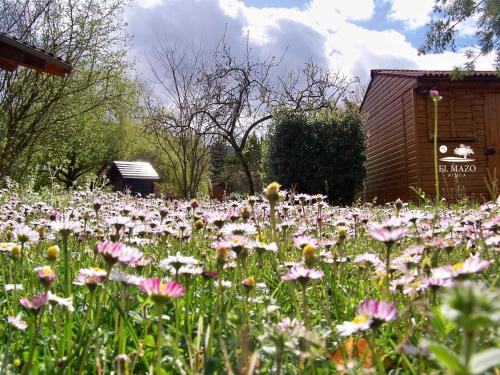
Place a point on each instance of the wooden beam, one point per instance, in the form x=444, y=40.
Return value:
x=14, y=53
x=22, y=57
x=8, y=65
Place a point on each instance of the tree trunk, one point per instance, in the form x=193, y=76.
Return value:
x=248, y=173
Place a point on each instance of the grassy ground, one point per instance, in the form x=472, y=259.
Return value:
x=273, y=284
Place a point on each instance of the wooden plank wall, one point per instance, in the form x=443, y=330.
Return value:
x=492, y=122
x=462, y=114
x=411, y=141
x=391, y=147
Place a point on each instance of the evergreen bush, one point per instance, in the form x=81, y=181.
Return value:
x=321, y=153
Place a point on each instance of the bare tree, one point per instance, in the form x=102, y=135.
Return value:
x=178, y=125
x=243, y=94
x=229, y=96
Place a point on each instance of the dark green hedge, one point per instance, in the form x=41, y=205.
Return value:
x=324, y=153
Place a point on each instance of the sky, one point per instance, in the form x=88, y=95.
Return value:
x=353, y=36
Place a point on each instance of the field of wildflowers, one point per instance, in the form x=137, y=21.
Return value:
x=100, y=283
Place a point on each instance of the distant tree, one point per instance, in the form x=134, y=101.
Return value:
x=238, y=94
x=244, y=92
x=180, y=129
x=449, y=15
x=355, y=95
x=290, y=151
x=218, y=155
x=87, y=144
x=253, y=156
x=88, y=34
x=321, y=153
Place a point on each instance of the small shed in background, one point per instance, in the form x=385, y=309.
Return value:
x=136, y=176
x=400, y=133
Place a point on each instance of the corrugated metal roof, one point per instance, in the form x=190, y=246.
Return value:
x=433, y=73
x=136, y=170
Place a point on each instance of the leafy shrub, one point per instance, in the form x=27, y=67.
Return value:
x=323, y=153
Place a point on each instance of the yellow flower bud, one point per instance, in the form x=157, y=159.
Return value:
x=195, y=203
x=199, y=224
x=272, y=192
x=249, y=283
x=222, y=254
x=308, y=253
x=16, y=251
x=52, y=252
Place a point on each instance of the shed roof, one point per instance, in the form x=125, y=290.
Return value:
x=138, y=170
x=418, y=75
x=432, y=73
x=14, y=52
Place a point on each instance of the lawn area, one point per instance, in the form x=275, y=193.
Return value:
x=96, y=282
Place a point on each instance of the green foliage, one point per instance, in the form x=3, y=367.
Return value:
x=218, y=154
x=227, y=168
x=39, y=110
x=88, y=143
x=323, y=153
x=450, y=14
x=473, y=308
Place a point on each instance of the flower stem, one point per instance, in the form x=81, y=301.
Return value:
x=34, y=338
x=375, y=355
x=67, y=265
x=6, y=353
x=305, y=306
x=387, y=268
x=272, y=216
x=436, y=171
x=158, y=339
x=121, y=332
x=468, y=347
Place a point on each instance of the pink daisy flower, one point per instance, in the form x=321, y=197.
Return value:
x=36, y=303
x=378, y=311
x=46, y=275
x=16, y=322
x=302, y=274
x=91, y=277
x=470, y=266
x=110, y=251
x=160, y=292
x=386, y=234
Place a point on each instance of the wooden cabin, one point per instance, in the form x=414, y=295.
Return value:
x=15, y=53
x=400, y=129
x=135, y=176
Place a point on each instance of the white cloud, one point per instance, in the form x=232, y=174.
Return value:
x=148, y=3
x=322, y=31
x=414, y=13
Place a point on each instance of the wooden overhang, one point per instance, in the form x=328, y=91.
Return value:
x=133, y=170
x=14, y=53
